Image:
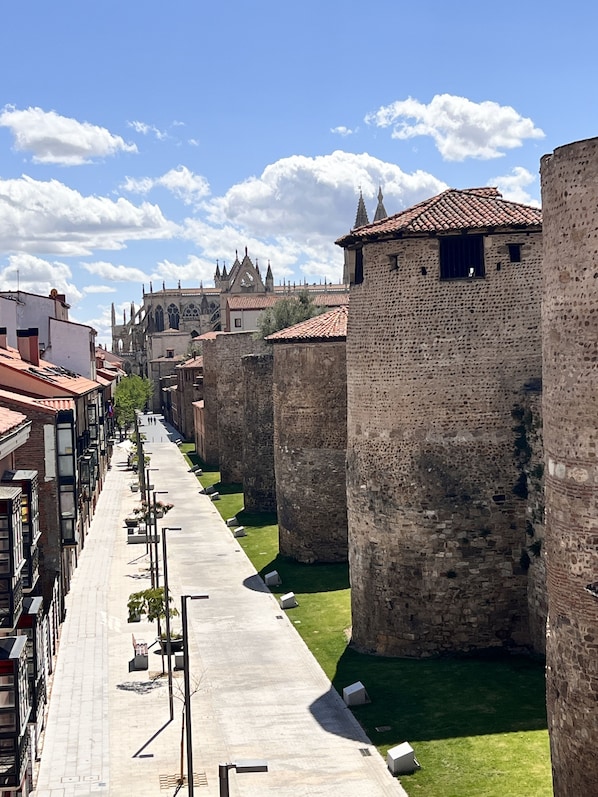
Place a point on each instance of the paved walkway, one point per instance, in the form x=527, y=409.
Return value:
x=260, y=693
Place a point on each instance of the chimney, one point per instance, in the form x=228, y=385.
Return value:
x=34, y=345
x=3, y=334
x=23, y=344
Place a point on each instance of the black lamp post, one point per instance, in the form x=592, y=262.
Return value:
x=251, y=765
x=153, y=514
x=188, y=688
x=167, y=604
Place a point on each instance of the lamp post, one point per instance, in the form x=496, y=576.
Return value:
x=166, y=604
x=251, y=765
x=156, y=582
x=188, y=688
x=146, y=498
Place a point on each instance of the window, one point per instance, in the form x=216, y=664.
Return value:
x=159, y=318
x=237, y=323
x=461, y=256
x=358, y=266
x=515, y=253
x=173, y=316
x=191, y=311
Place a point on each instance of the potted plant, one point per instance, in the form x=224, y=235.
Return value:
x=151, y=603
x=131, y=522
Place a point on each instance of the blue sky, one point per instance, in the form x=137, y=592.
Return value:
x=146, y=140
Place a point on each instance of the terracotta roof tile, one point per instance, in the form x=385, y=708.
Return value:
x=249, y=301
x=452, y=210
x=194, y=362
x=61, y=378
x=48, y=405
x=328, y=326
x=9, y=420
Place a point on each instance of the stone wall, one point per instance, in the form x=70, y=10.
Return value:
x=259, y=484
x=310, y=428
x=230, y=348
x=570, y=409
x=207, y=435
x=437, y=525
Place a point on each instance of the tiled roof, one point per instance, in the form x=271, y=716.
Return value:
x=452, y=210
x=194, y=362
x=57, y=376
x=207, y=336
x=328, y=326
x=48, y=405
x=10, y=420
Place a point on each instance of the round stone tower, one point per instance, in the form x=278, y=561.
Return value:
x=570, y=411
x=259, y=486
x=310, y=433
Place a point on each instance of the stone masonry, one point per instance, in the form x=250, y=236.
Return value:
x=436, y=493
x=259, y=486
x=570, y=409
x=310, y=428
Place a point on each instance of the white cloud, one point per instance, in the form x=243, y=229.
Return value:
x=460, y=128
x=341, y=130
x=35, y=275
x=512, y=186
x=313, y=200
x=145, y=129
x=194, y=271
x=109, y=271
x=194, y=142
x=49, y=217
x=181, y=182
x=93, y=289
x=59, y=139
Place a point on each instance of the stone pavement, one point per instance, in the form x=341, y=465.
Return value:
x=259, y=691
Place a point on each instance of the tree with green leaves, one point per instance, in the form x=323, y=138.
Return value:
x=286, y=313
x=132, y=393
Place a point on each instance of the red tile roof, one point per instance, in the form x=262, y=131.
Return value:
x=328, y=326
x=60, y=378
x=10, y=420
x=249, y=301
x=194, y=362
x=451, y=211
x=49, y=405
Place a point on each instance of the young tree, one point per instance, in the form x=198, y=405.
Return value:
x=132, y=393
x=287, y=312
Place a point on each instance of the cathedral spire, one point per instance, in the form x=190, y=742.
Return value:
x=380, y=210
x=113, y=315
x=361, y=218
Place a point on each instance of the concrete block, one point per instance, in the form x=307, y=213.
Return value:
x=288, y=601
x=240, y=532
x=355, y=694
x=179, y=661
x=401, y=759
x=215, y=496
x=231, y=522
x=272, y=579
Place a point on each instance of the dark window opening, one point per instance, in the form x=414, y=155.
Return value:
x=393, y=261
x=358, y=266
x=237, y=322
x=159, y=318
x=424, y=271
x=515, y=253
x=461, y=257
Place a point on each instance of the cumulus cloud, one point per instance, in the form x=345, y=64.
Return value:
x=194, y=271
x=341, y=130
x=459, y=127
x=109, y=271
x=92, y=289
x=49, y=217
x=145, y=129
x=59, y=139
x=181, y=182
x=513, y=186
x=35, y=275
x=313, y=200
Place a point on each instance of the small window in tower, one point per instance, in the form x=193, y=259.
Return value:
x=515, y=253
x=358, y=266
x=461, y=256
x=393, y=262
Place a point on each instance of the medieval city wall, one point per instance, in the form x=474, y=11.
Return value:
x=230, y=348
x=259, y=485
x=570, y=409
x=310, y=432
x=208, y=436
x=437, y=513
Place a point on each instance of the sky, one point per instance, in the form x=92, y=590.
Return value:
x=146, y=141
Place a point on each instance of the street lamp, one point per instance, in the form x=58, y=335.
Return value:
x=146, y=498
x=156, y=582
x=188, y=688
x=251, y=765
x=167, y=604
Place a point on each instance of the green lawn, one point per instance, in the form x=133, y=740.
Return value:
x=477, y=724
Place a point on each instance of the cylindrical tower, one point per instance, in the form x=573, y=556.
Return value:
x=310, y=433
x=570, y=412
x=259, y=486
